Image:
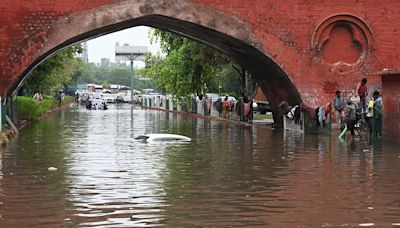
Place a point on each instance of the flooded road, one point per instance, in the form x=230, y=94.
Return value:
x=227, y=176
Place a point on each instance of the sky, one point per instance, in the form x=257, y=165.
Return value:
x=104, y=46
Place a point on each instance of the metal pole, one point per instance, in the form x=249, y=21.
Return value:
x=9, y=121
x=132, y=76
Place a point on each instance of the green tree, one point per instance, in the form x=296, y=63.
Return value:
x=188, y=67
x=58, y=71
x=107, y=73
x=89, y=74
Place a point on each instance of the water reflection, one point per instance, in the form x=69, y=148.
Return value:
x=228, y=175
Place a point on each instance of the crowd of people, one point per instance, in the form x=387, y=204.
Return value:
x=351, y=110
x=243, y=107
x=361, y=105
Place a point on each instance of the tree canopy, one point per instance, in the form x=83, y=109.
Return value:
x=186, y=67
x=191, y=67
x=59, y=71
x=107, y=73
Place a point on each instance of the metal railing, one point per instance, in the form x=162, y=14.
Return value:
x=205, y=107
x=3, y=113
x=386, y=127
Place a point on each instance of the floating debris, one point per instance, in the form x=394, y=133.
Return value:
x=52, y=169
x=367, y=224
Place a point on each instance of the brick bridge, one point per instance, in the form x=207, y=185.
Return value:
x=298, y=50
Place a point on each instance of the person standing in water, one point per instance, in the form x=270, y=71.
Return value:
x=338, y=103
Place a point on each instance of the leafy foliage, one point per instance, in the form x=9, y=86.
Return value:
x=29, y=108
x=191, y=67
x=61, y=70
x=107, y=73
x=188, y=67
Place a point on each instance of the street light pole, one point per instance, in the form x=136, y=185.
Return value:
x=132, y=78
x=130, y=53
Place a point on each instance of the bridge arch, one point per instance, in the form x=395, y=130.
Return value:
x=221, y=31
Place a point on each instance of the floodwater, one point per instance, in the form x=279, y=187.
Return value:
x=227, y=176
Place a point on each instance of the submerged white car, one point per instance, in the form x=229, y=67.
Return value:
x=164, y=138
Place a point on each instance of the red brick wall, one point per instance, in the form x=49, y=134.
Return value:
x=391, y=105
x=292, y=33
x=293, y=22
x=24, y=28
x=391, y=93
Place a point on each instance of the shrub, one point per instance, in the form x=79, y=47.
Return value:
x=29, y=108
x=46, y=104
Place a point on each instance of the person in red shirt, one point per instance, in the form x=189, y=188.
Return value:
x=362, y=92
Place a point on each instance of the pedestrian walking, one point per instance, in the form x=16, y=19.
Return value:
x=60, y=97
x=77, y=97
x=226, y=107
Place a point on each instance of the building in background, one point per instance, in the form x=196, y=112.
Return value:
x=85, y=53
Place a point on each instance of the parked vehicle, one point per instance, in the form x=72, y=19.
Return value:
x=109, y=97
x=127, y=98
x=213, y=96
x=262, y=107
x=96, y=103
x=229, y=98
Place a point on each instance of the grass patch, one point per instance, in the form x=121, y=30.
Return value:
x=267, y=116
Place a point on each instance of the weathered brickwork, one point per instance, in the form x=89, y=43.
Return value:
x=391, y=104
x=319, y=46
x=391, y=93
x=293, y=24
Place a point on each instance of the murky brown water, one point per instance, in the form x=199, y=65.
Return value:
x=228, y=176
